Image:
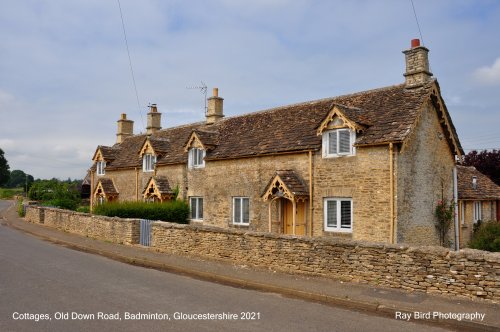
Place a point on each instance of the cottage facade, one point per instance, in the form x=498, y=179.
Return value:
x=367, y=166
x=478, y=200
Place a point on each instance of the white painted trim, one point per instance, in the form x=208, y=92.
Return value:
x=241, y=198
x=326, y=142
x=339, y=214
x=198, y=198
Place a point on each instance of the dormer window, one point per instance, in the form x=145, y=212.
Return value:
x=196, y=158
x=148, y=162
x=101, y=165
x=338, y=142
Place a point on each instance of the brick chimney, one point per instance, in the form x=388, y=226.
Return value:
x=125, y=128
x=214, y=111
x=417, y=65
x=154, y=120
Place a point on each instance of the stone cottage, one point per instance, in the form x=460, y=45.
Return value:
x=478, y=200
x=366, y=166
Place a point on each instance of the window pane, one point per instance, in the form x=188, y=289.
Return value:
x=246, y=210
x=331, y=213
x=193, y=208
x=200, y=208
x=237, y=210
x=332, y=142
x=196, y=157
x=344, y=141
x=200, y=156
x=345, y=214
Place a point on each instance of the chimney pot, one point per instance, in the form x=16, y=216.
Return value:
x=415, y=43
x=216, y=92
x=124, y=116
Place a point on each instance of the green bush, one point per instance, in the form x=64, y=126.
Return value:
x=55, y=193
x=62, y=203
x=20, y=208
x=173, y=211
x=83, y=209
x=9, y=193
x=487, y=237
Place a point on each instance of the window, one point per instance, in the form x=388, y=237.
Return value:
x=196, y=158
x=338, y=142
x=462, y=213
x=101, y=165
x=477, y=212
x=241, y=210
x=148, y=162
x=338, y=214
x=196, y=204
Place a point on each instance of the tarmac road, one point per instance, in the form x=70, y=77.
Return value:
x=70, y=289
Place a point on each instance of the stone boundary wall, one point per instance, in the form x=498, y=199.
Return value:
x=469, y=273
x=115, y=230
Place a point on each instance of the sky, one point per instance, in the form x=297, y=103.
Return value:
x=65, y=76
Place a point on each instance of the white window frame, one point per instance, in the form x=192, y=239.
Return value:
x=196, y=158
x=338, y=227
x=238, y=216
x=148, y=162
x=477, y=211
x=199, y=212
x=101, y=167
x=326, y=143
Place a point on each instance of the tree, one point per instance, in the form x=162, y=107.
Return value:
x=19, y=179
x=4, y=169
x=486, y=162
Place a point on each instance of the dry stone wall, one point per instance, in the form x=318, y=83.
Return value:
x=467, y=273
x=115, y=230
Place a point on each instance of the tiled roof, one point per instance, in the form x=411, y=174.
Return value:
x=293, y=182
x=108, y=186
x=163, y=185
x=486, y=189
x=160, y=144
x=387, y=113
x=108, y=153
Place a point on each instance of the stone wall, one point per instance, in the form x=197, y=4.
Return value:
x=424, y=173
x=469, y=273
x=116, y=230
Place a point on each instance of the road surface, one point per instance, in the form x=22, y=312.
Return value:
x=45, y=287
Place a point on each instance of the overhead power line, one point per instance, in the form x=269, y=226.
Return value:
x=130, y=63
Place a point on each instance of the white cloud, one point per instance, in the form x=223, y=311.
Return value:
x=489, y=75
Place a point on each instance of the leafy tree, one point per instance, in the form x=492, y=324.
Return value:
x=4, y=169
x=19, y=179
x=486, y=162
x=55, y=193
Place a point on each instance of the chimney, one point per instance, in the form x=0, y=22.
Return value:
x=154, y=120
x=125, y=128
x=417, y=65
x=214, y=111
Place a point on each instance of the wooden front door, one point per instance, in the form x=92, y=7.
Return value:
x=300, y=214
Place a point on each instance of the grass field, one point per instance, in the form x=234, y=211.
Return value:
x=7, y=193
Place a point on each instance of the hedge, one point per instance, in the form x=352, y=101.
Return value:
x=487, y=237
x=173, y=211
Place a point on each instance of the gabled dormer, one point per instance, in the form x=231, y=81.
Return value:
x=151, y=151
x=103, y=156
x=338, y=131
x=198, y=144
